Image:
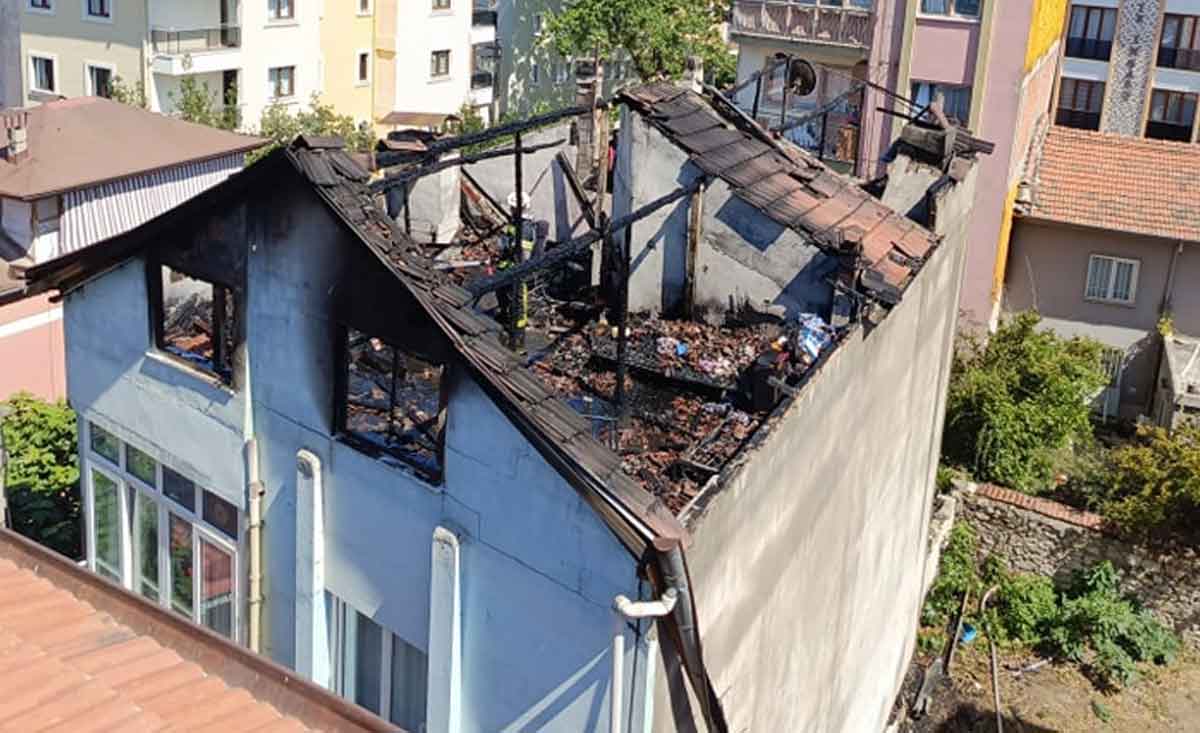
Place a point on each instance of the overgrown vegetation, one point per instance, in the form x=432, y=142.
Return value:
x=1089, y=622
x=132, y=94
x=43, y=472
x=658, y=35
x=1152, y=485
x=1019, y=400
x=196, y=102
x=281, y=126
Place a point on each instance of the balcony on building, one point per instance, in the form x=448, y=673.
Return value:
x=845, y=23
x=191, y=37
x=485, y=59
x=483, y=22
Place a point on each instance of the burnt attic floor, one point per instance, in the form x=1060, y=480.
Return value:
x=695, y=390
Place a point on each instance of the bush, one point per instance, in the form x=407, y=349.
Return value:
x=43, y=473
x=1018, y=400
x=956, y=573
x=281, y=126
x=1027, y=608
x=1153, y=485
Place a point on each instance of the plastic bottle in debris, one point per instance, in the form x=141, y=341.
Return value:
x=813, y=337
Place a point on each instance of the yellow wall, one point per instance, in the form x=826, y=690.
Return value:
x=1046, y=28
x=344, y=34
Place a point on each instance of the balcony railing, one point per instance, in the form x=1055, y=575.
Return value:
x=1089, y=48
x=1179, y=58
x=804, y=22
x=1169, y=131
x=195, y=40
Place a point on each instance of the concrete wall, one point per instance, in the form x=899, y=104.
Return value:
x=808, y=559
x=418, y=33
x=741, y=254
x=10, y=55
x=31, y=348
x=64, y=34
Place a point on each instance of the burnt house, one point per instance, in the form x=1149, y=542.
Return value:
x=671, y=473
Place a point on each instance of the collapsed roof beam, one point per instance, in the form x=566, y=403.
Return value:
x=573, y=248
x=492, y=133
x=403, y=178
x=576, y=187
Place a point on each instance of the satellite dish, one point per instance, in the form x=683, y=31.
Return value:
x=801, y=78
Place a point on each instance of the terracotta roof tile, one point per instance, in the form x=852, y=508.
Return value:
x=1125, y=184
x=69, y=665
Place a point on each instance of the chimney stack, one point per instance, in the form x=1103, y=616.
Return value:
x=14, y=134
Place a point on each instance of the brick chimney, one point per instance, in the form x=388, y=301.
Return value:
x=14, y=133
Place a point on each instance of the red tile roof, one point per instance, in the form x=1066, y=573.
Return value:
x=79, y=653
x=1124, y=184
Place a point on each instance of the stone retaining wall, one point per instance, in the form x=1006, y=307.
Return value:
x=1045, y=537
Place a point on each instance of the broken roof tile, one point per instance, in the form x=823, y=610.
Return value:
x=717, y=137
x=692, y=124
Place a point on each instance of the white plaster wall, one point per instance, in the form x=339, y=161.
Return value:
x=419, y=32
x=1177, y=80
x=10, y=54
x=186, y=14
x=267, y=44
x=1088, y=69
x=808, y=563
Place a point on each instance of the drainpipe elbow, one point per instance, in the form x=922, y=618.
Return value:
x=647, y=609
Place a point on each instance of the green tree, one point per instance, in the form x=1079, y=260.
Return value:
x=658, y=35
x=43, y=472
x=1153, y=484
x=132, y=94
x=196, y=102
x=1018, y=400
x=281, y=126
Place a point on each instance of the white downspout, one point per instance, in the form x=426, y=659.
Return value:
x=632, y=610
x=443, y=710
x=255, y=491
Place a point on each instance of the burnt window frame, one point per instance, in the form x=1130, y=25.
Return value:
x=435, y=477
x=225, y=331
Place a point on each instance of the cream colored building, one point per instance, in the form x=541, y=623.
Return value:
x=76, y=47
x=348, y=56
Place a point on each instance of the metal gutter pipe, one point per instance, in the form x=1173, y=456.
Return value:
x=632, y=610
x=255, y=491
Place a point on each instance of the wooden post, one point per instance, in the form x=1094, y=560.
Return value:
x=623, y=329
x=695, y=232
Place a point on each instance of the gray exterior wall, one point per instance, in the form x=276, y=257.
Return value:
x=539, y=570
x=10, y=55
x=1047, y=272
x=741, y=254
x=809, y=557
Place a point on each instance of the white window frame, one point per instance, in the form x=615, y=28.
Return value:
x=112, y=12
x=31, y=8
x=281, y=19
x=166, y=506
x=88, y=87
x=358, y=81
x=272, y=87
x=53, y=59
x=1109, y=288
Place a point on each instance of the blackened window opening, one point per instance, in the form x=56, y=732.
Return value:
x=393, y=405
x=196, y=321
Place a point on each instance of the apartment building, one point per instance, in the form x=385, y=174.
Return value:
x=994, y=68
x=251, y=54
x=1132, y=67
x=10, y=55
x=432, y=58
x=347, y=59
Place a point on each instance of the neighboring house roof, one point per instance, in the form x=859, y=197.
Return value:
x=83, y=141
x=1119, y=183
x=788, y=185
x=77, y=651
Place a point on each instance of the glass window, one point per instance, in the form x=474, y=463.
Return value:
x=1172, y=115
x=145, y=545
x=410, y=669
x=1079, y=104
x=106, y=506
x=441, y=4
x=216, y=588
x=182, y=594
x=964, y=8
x=956, y=99
x=439, y=63
x=280, y=9
x=104, y=443
x=141, y=465
x=282, y=81
x=364, y=66
x=1111, y=279
x=181, y=489
x=43, y=74
x=100, y=81
x=221, y=514
x=1179, y=47
x=1090, y=32
x=99, y=8
x=368, y=664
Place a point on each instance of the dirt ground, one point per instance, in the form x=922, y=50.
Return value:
x=1057, y=698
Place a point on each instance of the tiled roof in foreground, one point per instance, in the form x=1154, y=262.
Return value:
x=78, y=653
x=1124, y=184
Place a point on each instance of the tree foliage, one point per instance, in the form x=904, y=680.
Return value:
x=1017, y=400
x=43, y=472
x=132, y=94
x=658, y=35
x=281, y=126
x=196, y=102
x=1153, y=484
